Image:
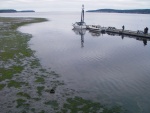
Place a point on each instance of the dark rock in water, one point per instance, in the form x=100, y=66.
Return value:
x=52, y=91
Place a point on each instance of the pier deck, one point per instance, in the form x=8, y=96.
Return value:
x=128, y=32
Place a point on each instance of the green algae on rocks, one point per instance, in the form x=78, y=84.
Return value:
x=78, y=104
x=20, y=70
x=40, y=80
x=2, y=86
x=24, y=95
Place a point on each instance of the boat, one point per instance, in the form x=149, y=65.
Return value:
x=81, y=24
x=93, y=27
x=96, y=28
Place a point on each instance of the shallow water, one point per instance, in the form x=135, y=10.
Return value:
x=105, y=68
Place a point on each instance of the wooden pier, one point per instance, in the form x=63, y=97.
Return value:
x=128, y=32
x=137, y=33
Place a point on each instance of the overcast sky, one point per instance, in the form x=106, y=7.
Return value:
x=72, y=5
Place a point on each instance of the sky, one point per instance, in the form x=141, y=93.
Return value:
x=72, y=5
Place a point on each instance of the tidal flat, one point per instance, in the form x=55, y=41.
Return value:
x=25, y=86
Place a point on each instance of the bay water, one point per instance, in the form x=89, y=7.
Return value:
x=106, y=68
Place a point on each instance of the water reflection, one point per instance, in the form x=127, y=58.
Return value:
x=122, y=36
x=144, y=40
x=80, y=32
x=95, y=34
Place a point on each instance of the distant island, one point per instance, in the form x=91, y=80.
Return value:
x=14, y=11
x=137, y=11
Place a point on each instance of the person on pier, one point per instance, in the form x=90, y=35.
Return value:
x=123, y=28
x=146, y=30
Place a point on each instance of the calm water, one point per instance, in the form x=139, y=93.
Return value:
x=110, y=69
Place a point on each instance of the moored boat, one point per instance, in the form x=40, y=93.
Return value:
x=96, y=28
x=81, y=24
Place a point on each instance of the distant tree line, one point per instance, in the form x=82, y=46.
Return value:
x=13, y=11
x=140, y=11
x=8, y=11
